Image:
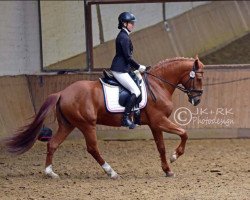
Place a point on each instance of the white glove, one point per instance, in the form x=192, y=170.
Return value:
x=138, y=74
x=142, y=68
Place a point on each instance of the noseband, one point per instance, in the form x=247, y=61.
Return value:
x=192, y=89
x=188, y=91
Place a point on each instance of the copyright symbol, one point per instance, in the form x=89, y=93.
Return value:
x=183, y=116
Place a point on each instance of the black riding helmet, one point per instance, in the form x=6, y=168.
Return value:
x=125, y=17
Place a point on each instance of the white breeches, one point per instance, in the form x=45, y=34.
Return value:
x=127, y=82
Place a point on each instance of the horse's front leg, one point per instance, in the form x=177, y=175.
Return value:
x=168, y=126
x=158, y=137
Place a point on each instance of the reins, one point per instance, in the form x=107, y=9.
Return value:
x=166, y=81
x=183, y=89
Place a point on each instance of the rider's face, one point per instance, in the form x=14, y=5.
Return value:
x=130, y=26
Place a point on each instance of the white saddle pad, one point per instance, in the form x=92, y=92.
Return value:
x=111, y=97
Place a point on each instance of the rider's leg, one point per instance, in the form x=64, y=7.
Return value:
x=137, y=117
x=126, y=121
x=128, y=83
x=137, y=113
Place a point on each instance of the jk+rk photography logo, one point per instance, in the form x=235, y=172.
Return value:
x=204, y=116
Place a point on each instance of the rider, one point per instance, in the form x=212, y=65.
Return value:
x=123, y=62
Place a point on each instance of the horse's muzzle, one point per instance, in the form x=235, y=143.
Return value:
x=194, y=96
x=194, y=100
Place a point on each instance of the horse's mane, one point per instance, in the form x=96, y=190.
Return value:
x=171, y=60
x=167, y=63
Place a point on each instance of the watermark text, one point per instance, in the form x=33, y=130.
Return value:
x=204, y=116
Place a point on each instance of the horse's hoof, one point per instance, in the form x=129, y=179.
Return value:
x=170, y=174
x=49, y=172
x=55, y=176
x=173, y=157
x=115, y=176
x=52, y=175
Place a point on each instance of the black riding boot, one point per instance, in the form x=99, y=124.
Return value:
x=137, y=117
x=126, y=121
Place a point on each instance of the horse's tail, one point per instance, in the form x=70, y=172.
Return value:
x=26, y=136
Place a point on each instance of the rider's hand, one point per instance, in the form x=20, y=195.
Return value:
x=142, y=68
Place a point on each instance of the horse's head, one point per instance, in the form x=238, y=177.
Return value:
x=193, y=82
x=189, y=74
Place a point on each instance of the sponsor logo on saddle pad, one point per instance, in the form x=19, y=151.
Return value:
x=111, y=97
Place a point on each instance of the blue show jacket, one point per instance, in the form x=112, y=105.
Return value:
x=123, y=60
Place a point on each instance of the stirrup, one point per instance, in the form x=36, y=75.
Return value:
x=127, y=122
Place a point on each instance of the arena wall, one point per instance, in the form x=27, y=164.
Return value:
x=16, y=105
x=225, y=98
x=19, y=38
x=63, y=28
x=201, y=29
x=182, y=32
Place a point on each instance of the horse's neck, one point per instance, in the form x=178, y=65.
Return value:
x=172, y=73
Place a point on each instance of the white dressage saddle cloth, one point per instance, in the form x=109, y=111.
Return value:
x=111, y=97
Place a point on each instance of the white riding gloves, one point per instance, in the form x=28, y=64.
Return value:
x=138, y=74
x=142, y=68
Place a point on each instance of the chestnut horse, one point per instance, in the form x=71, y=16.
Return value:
x=82, y=105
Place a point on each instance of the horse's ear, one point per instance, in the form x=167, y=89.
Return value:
x=196, y=62
x=196, y=57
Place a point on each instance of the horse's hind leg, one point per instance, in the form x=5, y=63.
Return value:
x=61, y=134
x=89, y=133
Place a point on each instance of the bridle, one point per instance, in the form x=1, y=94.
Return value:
x=189, y=91
x=191, y=79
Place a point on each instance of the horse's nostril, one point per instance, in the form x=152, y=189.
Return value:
x=197, y=102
